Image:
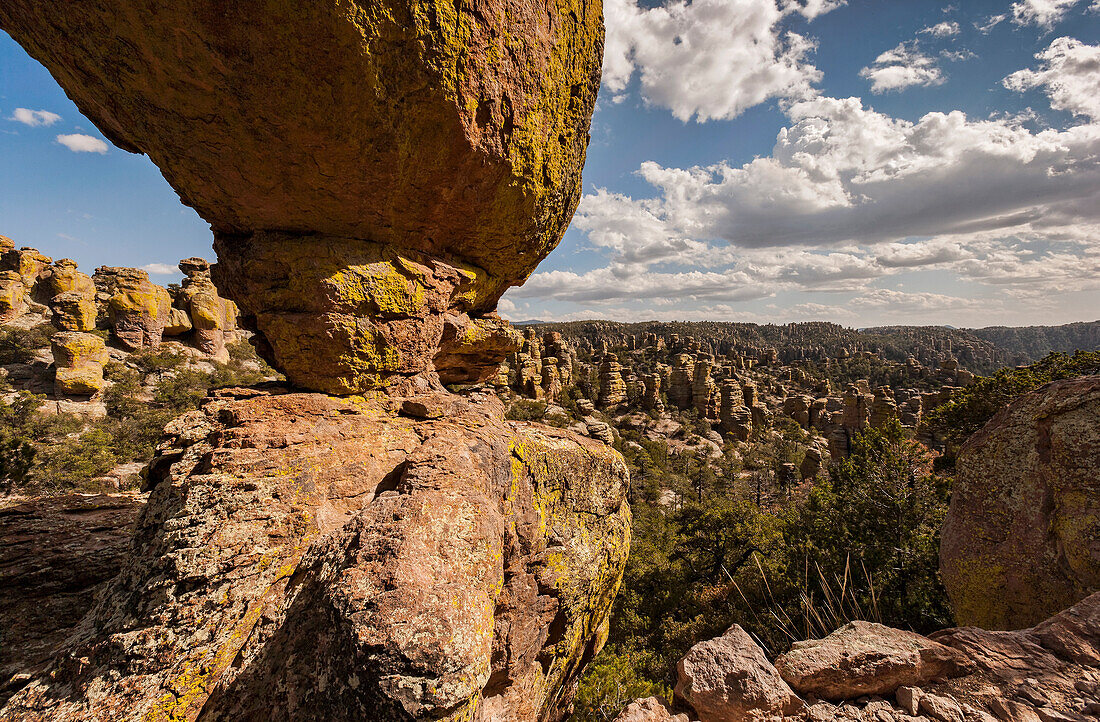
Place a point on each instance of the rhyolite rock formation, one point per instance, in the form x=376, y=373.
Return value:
x=728, y=679
x=55, y=553
x=870, y=673
x=303, y=557
x=79, y=359
x=442, y=141
x=1022, y=535
x=864, y=658
x=376, y=175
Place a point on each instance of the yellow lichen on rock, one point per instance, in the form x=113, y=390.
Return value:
x=345, y=316
x=78, y=359
x=444, y=133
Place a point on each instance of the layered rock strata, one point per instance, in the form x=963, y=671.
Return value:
x=612, y=386
x=308, y=558
x=55, y=552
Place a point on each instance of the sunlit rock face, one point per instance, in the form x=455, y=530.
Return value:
x=304, y=557
x=452, y=130
x=1022, y=536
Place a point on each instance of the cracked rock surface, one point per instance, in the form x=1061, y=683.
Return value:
x=312, y=558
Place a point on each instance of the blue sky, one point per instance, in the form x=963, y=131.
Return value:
x=864, y=162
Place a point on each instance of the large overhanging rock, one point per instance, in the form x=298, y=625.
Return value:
x=455, y=131
x=305, y=558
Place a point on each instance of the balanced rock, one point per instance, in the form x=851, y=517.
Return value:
x=13, y=295
x=74, y=311
x=649, y=709
x=1022, y=536
x=64, y=277
x=78, y=360
x=864, y=658
x=445, y=137
x=212, y=318
x=304, y=557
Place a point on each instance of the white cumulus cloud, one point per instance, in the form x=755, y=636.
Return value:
x=80, y=143
x=34, y=118
x=1044, y=13
x=1069, y=75
x=902, y=67
x=710, y=59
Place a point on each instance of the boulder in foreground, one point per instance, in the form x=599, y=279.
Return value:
x=1022, y=536
x=728, y=679
x=308, y=558
x=864, y=658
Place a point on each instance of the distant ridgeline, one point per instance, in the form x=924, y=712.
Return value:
x=980, y=350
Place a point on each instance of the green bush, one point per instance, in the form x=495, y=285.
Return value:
x=970, y=408
x=18, y=345
x=718, y=544
x=880, y=511
x=526, y=410
x=75, y=460
x=610, y=683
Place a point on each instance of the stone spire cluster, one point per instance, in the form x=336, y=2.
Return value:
x=122, y=302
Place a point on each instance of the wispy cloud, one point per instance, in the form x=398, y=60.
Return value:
x=942, y=30
x=990, y=23
x=160, y=269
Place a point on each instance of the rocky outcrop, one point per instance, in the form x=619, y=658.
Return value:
x=649, y=709
x=863, y=658
x=445, y=135
x=303, y=557
x=55, y=551
x=651, y=395
x=1048, y=673
x=137, y=309
x=1022, y=535
x=376, y=176
x=612, y=386
x=728, y=679
x=211, y=318
x=350, y=317
x=78, y=359
x=136, y=313
x=681, y=380
x=74, y=311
